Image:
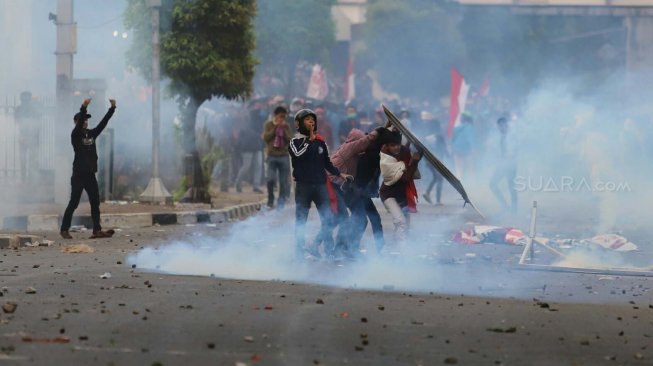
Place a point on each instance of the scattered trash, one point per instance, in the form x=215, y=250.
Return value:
x=450, y=360
x=240, y=364
x=344, y=314
x=319, y=301
x=9, y=308
x=43, y=243
x=248, y=339
x=105, y=275
x=256, y=357
x=77, y=228
x=484, y=234
x=211, y=225
x=607, y=278
x=268, y=307
x=78, y=248
x=613, y=242
x=30, y=290
x=470, y=255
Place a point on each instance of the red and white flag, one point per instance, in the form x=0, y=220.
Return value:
x=318, y=87
x=459, y=91
x=350, y=90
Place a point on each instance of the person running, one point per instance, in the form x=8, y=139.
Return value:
x=84, y=169
x=309, y=157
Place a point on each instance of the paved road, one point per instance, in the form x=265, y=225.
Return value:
x=444, y=304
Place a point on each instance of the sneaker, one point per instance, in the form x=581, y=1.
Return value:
x=427, y=198
x=65, y=234
x=102, y=234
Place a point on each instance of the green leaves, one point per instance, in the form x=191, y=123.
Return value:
x=206, y=46
x=292, y=30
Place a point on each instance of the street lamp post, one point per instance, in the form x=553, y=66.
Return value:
x=155, y=191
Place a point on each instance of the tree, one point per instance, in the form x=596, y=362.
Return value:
x=206, y=51
x=412, y=45
x=288, y=31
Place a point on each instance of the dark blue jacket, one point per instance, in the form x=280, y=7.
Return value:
x=309, y=160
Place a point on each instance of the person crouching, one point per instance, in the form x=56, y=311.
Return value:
x=397, y=176
x=309, y=157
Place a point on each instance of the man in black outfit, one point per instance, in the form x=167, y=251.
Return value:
x=84, y=169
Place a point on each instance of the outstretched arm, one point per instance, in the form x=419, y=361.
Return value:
x=105, y=120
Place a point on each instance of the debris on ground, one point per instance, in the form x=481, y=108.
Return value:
x=105, y=275
x=486, y=234
x=78, y=248
x=9, y=308
x=30, y=290
x=46, y=340
x=42, y=243
x=502, y=330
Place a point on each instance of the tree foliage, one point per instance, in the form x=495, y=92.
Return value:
x=412, y=45
x=291, y=30
x=206, y=51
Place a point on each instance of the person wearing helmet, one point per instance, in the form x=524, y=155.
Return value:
x=309, y=157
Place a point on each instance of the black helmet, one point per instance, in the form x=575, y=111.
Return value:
x=299, y=120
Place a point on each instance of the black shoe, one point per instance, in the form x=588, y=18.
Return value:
x=65, y=234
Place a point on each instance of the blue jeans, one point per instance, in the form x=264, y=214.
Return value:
x=278, y=166
x=305, y=194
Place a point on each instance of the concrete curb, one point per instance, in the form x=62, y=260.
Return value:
x=131, y=220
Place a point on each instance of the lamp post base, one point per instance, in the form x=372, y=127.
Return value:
x=155, y=193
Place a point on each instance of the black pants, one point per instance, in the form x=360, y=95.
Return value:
x=83, y=182
x=304, y=195
x=362, y=208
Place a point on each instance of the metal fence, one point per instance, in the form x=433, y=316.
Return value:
x=26, y=143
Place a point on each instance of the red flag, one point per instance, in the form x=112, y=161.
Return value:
x=459, y=90
x=350, y=91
